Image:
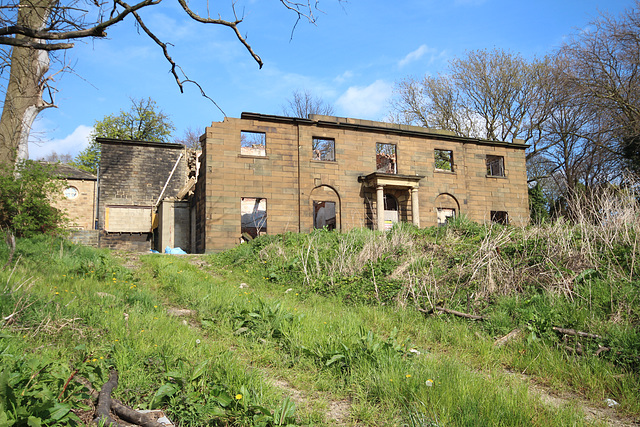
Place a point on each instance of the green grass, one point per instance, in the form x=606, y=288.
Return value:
x=332, y=316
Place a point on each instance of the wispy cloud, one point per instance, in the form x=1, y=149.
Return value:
x=70, y=144
x=415, y=55
x=365, y=102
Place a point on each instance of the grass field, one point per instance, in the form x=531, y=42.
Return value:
x=326, y=328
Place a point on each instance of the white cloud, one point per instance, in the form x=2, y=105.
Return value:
x=365, y=102
x=70, y=144
x=347, y=75
x=415, y=55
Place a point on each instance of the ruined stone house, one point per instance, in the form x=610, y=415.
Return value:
x=263, y=174
x=143, y=189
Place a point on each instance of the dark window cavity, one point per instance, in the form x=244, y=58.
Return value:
x=495, y=165
x=500, y=217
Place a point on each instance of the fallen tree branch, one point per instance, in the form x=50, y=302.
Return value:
x=104, y=401
x=120, y=409
x=455, y=313
x=576, y=333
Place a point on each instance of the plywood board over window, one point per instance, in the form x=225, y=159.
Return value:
x=127, y=219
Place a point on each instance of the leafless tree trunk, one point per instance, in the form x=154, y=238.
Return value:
x=27, y=81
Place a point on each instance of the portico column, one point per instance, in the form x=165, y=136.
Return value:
x=415, y=207
x=380, y=207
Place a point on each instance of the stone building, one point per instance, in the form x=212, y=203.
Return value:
x=78, y=198
x=271, y=174
x=135, y=179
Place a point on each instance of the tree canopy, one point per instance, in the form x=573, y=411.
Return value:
x=578, y=108
x=142, y=122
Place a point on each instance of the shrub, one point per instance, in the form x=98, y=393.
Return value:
x=25, y=200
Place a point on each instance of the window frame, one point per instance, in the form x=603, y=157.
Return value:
x=263, y=152
x=320, y=153
x=393, y=157
x=490, y=161
x=450, y=160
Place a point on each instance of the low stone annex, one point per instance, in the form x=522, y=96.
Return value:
x=263, y=174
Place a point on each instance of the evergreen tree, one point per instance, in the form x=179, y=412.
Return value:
x=537, y=205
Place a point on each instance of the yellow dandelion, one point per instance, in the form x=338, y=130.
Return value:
x=238, y=396
x=408, y=376
x=57, y=293
x=390, y=380
x=116, y=340
x=94, y=360
x=101, y=357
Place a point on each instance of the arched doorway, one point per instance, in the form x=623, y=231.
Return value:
x=447, y=207
x=325, y=205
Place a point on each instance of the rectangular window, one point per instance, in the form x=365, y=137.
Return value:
x=444, y=160
x=324, y=215
x=324, y=149
x=444, y=214
x=386, y=161
x=500, y=217
x=253, y=143
x=253, y=220
x=495, y=165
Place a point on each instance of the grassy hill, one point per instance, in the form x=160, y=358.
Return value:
x=328, y=328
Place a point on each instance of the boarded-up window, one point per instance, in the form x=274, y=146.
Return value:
x=127, y=219
x=500, y=217
x=495, y=165
x=386, y=158
x=444, y=160
x=253, y=219
x=324, y=215
x=253, y=143
x=444, y=215
x=324, y=149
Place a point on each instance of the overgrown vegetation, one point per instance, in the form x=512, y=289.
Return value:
x=25, y=199
x=284, y=329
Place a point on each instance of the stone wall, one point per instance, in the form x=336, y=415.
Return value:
x=132, y=176
x=291, y=180
x=79, y=204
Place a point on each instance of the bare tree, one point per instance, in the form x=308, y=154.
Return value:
x=493, y=95
x=32, y=30
x=54, y=157
x=303, y=103
x=191, y=138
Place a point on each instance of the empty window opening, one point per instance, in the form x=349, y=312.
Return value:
x=324, y=149
x=500, y=217
x=386, y=161
x=444, y=160
x=445, y=215
x=253, y=219
x=324, y=215
x=253, y=143
x=495, y=165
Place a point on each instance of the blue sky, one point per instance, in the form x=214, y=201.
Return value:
x=351, y=58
